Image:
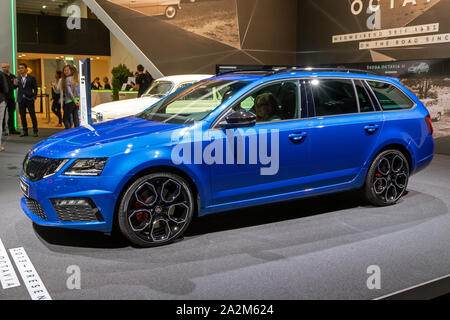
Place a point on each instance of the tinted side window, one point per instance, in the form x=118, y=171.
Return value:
x=334, y=96
x=274, y=102
x=390, y=97
x=365, y=104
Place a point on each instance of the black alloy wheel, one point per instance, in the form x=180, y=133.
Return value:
x=387, y=178
x=156, y=209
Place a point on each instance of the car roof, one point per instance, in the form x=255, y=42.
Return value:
x=265, y=77
x=238, y=77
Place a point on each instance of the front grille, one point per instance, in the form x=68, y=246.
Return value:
x=36, y=208
x=36, y=168
x=76, y=210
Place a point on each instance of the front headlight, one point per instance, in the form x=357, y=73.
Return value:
x=87, y=167
x=54, y=167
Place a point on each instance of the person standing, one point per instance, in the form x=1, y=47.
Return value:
x=56, y=96
x=107, y=86
x=10, y=103
x=26, y=96
x=96, y=85
x=70, y=96
x=143, y=81
x=3, y=94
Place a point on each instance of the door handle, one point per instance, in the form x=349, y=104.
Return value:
x=372, y=128
x=297, y=137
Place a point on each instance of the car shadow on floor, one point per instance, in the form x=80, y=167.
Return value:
x=276, y=212
x=80, y=238
x=229, y=220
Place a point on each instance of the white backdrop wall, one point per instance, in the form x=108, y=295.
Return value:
x=120, y=55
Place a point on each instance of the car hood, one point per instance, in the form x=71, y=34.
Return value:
x=124, y=108
x=105, y=139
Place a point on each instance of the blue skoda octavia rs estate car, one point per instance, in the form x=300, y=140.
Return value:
x=238, y=139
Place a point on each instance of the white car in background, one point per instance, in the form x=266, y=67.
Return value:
x=158, y=90
x=435, y=109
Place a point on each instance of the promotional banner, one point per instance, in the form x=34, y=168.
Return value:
x=193, y=36
x=372, y=30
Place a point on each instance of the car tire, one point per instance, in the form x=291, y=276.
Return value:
x=387, y=178
x=156, y=209
x=171, y=12
x=438, y=116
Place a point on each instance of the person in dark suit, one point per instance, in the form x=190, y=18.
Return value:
x=10, y=100
x=26, y=96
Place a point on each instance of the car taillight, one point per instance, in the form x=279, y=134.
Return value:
x=429, y=124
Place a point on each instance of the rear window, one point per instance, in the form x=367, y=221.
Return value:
x=334, y=97
x=390, y=97
x=365, y=104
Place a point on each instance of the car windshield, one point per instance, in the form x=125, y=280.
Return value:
x=159, y=89
x=192, y=103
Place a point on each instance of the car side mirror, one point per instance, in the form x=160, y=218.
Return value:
x=239, y=119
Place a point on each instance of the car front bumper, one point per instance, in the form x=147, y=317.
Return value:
x=39, y=203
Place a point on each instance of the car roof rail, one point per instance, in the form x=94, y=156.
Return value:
x=226, y=69
x=342, y=70
x=273, y=70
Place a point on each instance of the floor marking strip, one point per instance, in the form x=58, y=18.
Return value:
x=412, y=287
x=8, y=276
x=30, y=277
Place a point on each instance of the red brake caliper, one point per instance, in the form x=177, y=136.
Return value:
x=141, y=216
x=137, y=204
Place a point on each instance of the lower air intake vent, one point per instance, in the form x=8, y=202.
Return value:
x=36, y=208
x=76, y=210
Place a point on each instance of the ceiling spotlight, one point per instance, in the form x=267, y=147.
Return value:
x=44, y=7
